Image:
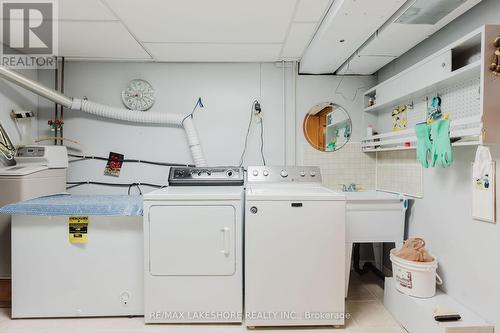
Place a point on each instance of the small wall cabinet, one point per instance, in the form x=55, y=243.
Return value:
x=460, y=75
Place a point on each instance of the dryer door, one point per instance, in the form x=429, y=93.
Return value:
x=192, y=240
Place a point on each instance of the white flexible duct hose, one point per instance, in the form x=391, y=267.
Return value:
x=149, y=118
x=111, y=112
x=194, y=143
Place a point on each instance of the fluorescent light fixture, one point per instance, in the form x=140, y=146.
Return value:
x=428, y=11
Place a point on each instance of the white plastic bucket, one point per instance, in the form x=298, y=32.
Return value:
x=413, y=278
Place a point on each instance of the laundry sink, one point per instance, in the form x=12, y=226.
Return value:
x=371, y=196
x=373, y=217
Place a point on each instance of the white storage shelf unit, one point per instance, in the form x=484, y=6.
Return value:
x=460, y=75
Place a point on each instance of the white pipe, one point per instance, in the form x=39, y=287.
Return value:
x=112, y=112
x=33, y=86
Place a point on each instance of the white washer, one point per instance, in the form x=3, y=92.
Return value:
x=40, y=170
x=193, y=269
x=294, y=249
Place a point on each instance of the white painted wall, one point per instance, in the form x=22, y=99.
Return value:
x=227, y=90
x=467, y=250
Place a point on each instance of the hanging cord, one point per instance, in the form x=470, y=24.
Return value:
x=198, y=103
x=262, y=139
x=129, y=185
x=99, y=158
x=340, y=83
x=138, y=187
x=255, y=108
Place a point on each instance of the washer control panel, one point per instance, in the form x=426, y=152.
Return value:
x=278, y=174
x=208, y=176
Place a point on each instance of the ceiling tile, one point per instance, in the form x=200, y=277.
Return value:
x=311, y=10
x=92, y=10
x=79, y=39
x=298, y=38
x=341, y=33
x=185, y=52
x=214, y=21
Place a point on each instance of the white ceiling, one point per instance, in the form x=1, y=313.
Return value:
x=348, y=24
x=361, y=36
x=188, y=30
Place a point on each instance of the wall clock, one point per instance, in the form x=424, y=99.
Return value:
x=139, y=95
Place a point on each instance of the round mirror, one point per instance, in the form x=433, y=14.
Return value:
x=327, y=127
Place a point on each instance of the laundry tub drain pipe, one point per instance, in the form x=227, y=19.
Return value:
x=106, y=111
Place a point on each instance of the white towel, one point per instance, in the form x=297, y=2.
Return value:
x=482, y=163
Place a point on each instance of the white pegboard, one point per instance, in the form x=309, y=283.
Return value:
x=460, y=101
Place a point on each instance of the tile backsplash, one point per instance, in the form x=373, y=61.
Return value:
x=399, y=171
x=345, y=166
x=394, y=171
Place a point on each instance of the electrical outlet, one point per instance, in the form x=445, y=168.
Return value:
x=256, y=108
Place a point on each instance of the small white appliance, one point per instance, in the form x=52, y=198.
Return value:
x=193, y=251
x=40, y=170
x=294, y=249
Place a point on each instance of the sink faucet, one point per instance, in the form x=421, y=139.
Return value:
x=349, y=188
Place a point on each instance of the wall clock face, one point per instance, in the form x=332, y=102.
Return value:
x=139, y=95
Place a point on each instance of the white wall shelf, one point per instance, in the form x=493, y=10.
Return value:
x=463, y=74
x=459, y=74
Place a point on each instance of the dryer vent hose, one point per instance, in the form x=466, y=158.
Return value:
x=100, y=110
x=160, y=118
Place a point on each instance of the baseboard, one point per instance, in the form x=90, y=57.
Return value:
x=5, y=293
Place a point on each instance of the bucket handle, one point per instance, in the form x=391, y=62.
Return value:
x=439, y=281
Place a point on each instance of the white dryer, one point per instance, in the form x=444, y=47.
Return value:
x=294, y=249
x=193, y=269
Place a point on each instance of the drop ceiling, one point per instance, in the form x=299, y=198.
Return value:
x=348, y=24
x=188, y=30
x=361, y=36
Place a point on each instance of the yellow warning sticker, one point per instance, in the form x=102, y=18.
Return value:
x=78, y=228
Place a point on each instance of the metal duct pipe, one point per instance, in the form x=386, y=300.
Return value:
x=35, y=87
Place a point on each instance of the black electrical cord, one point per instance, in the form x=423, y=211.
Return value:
x=138, y=187
x=85, y=157
x=129, y=185
x=257, y=109
x=248, y=132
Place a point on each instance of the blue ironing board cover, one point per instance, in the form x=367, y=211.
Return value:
x=73, y=205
